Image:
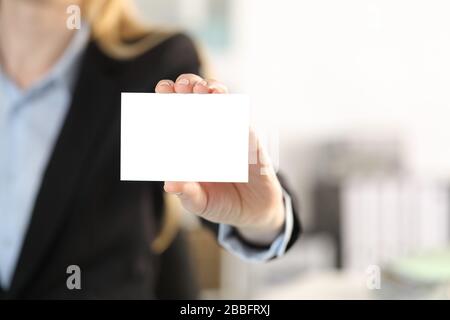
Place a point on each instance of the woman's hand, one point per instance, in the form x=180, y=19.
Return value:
x=256, y=208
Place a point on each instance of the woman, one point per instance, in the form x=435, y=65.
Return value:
x=62, y=203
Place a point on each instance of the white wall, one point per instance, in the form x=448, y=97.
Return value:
x=328, y=66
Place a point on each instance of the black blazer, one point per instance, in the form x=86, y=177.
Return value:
x=84, y=215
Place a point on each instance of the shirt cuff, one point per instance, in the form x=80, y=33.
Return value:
x=229, y=239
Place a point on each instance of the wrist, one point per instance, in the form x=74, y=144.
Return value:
x=265, y=233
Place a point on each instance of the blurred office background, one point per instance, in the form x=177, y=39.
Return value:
x=359, y=92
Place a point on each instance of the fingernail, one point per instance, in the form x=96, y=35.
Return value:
x=175, y=193
x=164, y=83
x=183, y=82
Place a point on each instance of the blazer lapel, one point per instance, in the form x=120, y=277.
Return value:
x=92, y=96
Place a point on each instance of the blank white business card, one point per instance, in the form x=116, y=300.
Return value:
x=184, y=137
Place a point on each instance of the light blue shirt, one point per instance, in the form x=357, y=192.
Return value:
x=30, y=121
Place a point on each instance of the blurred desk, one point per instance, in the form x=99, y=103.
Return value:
x=320, y=285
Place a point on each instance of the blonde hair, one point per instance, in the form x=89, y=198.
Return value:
x=118, y=31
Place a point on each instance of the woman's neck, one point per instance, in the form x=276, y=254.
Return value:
x=33, y=35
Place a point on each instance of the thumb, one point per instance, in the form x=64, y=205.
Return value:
x=191, y=194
